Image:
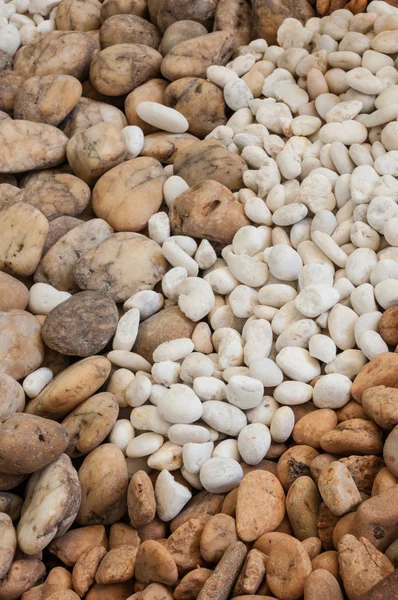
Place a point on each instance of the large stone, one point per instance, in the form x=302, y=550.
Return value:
x=267, y=16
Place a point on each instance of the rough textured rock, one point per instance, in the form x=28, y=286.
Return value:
x=193, y=57
x=56, y=267
x=70, y=388
x=34, y=146
x=129, y=29
x=164, y=146
x=82, y=325
x=200, y=101
x=108, y=268
x=208, y=210
x=234, y=16
x=117, y=196
x=58, y=52
x=167, y=324
x=119, y=69
x=56, y=195
x=48, y=99
x=267, y=15
x=209, y=159
x=21, y=345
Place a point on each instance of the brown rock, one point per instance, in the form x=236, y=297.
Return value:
x=10, y=83
x=302, y=506
x=103, y=504
x=72, y=15
x=63, y=595
x=288, y=567
x=311, y=427
x=229, y=505
x=58, y=52
x=234, y=16
x=220, y=583
x=192, y=57
x=322, y=584
x=9, y=482
x=56, y=267
x=12, y=395
x=119, y=69
x=117, y=565
x=338, y=489
x=90, y=423
x=155, y=530
x=252, y=573
x=376, y=519
x=86, y=567
x=170, y=12
x=58, y=579
x=327, y=521
x=268, y=541
x=202, y=503
x=119, y=7
x=355, y=436
x=381, y=370
x=328, y=561
x=200, y=101
x=152, y=91
x=107, y=268
x=319, y=463
x=168, y=324
x=48, y=99
x=343, y=526
x=116, y=591
x=28, y=443
x=390, y=451
x=384, y=480
x=191, y=584
x=218, y=534
x=13, y=293
x=141, y=501
x=23, y=233
x=381, y=404
x=9, y=194
x=180, y=31
x=361, y=566
x=268, y=15
x=208, y=158
x=129, y=29
x=90, y=112
x=21, y=346
x=70, y=388
x=56, y=194
x=154, y=563
x=184, y=544
x=22, y=575
x=164, y=146
x=117, y=197
x=57, y=229
x=313, y=546
x=363, y=470
x=386, y=589
x=388, y=326
x=121, y=534
x=352, y=410
x=110, y=151
x=260, y=506
x=70, y=546
x=208, y=210
x=82, y=325
x=294, y=463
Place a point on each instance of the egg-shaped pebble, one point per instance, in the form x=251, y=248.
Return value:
x=253, y=443
x=219, y=475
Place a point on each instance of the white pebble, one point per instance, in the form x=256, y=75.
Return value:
x=219, y=475
x=36, y=381
x=162, y=117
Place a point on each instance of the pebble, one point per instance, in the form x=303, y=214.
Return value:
x=162, y=117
